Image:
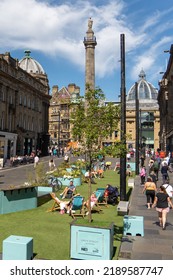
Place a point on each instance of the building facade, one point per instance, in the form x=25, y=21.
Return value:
x=148, y=116
x=24, y=103
x=59, y=114
x=165, y=100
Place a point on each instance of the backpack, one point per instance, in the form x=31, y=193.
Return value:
x=155, y=166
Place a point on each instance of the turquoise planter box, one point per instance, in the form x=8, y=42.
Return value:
x=91, y=243
x=132, y=165
x=41, y=190
x=17, y=248
x=133, y=225
x=69, y=170
x=83, y=171
x=66, y=182
x=13, y=200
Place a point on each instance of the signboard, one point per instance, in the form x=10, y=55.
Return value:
x=91, y=243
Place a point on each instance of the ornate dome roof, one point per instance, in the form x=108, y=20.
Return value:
x=146, y=91
x=30, y=65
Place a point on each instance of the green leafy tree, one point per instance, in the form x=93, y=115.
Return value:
x=92, y=122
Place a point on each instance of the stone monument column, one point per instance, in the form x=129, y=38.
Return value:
x=90, y=43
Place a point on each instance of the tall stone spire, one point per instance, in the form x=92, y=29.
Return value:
x=90, y=43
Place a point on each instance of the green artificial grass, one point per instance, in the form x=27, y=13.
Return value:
x=51, y=231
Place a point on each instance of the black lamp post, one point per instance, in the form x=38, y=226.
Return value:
x=123, y=121
x=140, y=129
x=137, y=128
x=59, y=131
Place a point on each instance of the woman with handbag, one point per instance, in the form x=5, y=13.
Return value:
x=150, y=191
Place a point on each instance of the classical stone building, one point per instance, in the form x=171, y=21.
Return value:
x=24, y=103
x=59, y=114
x=165, y=100
x=148, y=115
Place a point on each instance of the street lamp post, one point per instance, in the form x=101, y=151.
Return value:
x=137, y=128
x=123, y=122
x=59, y=131
x=140, y=129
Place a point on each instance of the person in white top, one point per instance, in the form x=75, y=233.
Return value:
x=168, y=188
x=165, y=160
x=36, y=160
x=128, y=156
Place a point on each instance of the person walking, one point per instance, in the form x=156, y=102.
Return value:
x=169, y=189
x=142, y=174
x=153, y=177
x=51, y=164
x=142, y=159
x=36, y=161
x=162, y=202
x=156, y=168
x=66, y=158
x=164, y=171
x=150, y=191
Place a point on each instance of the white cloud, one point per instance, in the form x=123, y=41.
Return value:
x=58, y=30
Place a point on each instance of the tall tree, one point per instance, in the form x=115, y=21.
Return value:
x=92, y=122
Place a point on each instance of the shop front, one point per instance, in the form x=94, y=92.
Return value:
x=8, y=143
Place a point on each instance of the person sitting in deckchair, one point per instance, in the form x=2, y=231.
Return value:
x=93, y=201
x=100, y=173
x=63, y=204
x=70, y=189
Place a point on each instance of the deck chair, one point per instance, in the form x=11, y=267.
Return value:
x=56, y=205
x=96, y=207
x=102, y=200
x=77, y=204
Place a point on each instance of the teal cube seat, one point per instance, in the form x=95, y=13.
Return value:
x=17, y=248
x=133, y=225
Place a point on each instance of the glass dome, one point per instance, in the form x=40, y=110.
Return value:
x=145, y=89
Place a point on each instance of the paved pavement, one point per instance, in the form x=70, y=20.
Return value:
x=16, y=176
x=156, y=244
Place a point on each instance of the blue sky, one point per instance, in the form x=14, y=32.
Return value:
x=54, y=30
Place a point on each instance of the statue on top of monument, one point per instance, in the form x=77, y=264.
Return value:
x=90, y=23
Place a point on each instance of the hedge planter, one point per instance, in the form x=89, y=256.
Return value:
x=17, y=199
x=43, y=190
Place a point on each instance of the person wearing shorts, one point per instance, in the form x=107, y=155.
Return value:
x=162, y=202
x=150, y=191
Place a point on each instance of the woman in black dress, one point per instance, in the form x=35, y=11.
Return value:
x=162, y=202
